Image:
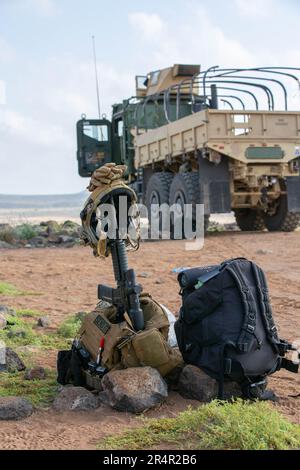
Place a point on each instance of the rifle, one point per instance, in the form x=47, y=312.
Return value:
x=126, y=295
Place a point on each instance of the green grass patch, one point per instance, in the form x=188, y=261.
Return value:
x=22, y=331
x=237, y=426
x=70, y=327
x=20, y=335
x=27, y=312
x=39, y=392
x=10, y=290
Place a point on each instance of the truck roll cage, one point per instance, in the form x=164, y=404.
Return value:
x=273, y=82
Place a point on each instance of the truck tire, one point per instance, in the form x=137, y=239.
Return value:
x=282, y=220
x=185, y=190
x=249, y=220
x=158, y=190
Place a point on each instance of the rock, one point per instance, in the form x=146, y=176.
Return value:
x=17, y=333
x=7, y=311
x=38, y=242
x=144, y=274
x=69, y=225
x=52, y=226
x=159, y=281
x=5, y=245
x=44, y=321
x=135, y=389
x=104, y=398
x=66, y=239
x=173, y=377
x=36, y=373
x=196, y=385
x=76, y=234
x=13, y=408
x=264, y=252
x=75, y=398
x=3, y=322
x=54, y=238
x=10, y=361
x=232, y=390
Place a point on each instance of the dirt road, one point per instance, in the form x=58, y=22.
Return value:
x=67, y=281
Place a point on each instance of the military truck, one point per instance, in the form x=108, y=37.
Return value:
x=181, y=147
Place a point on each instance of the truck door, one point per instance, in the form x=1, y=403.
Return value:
x=118, y=138
x=94, y=147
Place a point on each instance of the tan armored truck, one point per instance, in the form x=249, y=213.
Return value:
x=226, y=138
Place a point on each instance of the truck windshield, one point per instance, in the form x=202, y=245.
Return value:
x=96, y=132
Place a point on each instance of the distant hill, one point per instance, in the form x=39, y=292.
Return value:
x=42, y=201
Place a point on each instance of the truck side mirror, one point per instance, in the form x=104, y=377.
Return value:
x=94, y=147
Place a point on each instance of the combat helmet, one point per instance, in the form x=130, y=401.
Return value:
x=106, y=187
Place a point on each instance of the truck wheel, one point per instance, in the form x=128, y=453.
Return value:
x=158, y=190
x=249, y=220
x=185, y=190
x=282, y=220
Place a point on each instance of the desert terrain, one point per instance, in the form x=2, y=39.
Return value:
x=66, y=281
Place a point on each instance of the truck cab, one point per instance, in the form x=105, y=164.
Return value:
x=94, y=144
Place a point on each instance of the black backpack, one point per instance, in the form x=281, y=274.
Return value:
x=226, y=326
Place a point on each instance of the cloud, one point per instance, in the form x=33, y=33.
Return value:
x=2, y=92
x=30, y=130
x=38, y=134
x=209, y=44
x=44, y=7
x=7, y=53
x=206, y=41
x=254, y=8
x=149, y=25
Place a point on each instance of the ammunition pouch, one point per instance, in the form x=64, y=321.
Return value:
x=123, y=347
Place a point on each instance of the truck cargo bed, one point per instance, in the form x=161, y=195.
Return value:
x=247, y=136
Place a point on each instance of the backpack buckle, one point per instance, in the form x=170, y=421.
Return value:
x=243, y=347
x=273, y=330
x=245, y=289
x=250, y=329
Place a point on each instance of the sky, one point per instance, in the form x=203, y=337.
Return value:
x=47, y=78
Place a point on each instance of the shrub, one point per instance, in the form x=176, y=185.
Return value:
x=25, y=232
x=218, y=425
x=7, y=234
x=70, y=327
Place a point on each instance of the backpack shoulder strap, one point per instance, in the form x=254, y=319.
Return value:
x=249, y=325
x=281, y=346
x=265, y=304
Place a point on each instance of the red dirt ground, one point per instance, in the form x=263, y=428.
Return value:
x=67, y=281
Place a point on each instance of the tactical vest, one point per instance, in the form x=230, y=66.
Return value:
x=123, y=347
